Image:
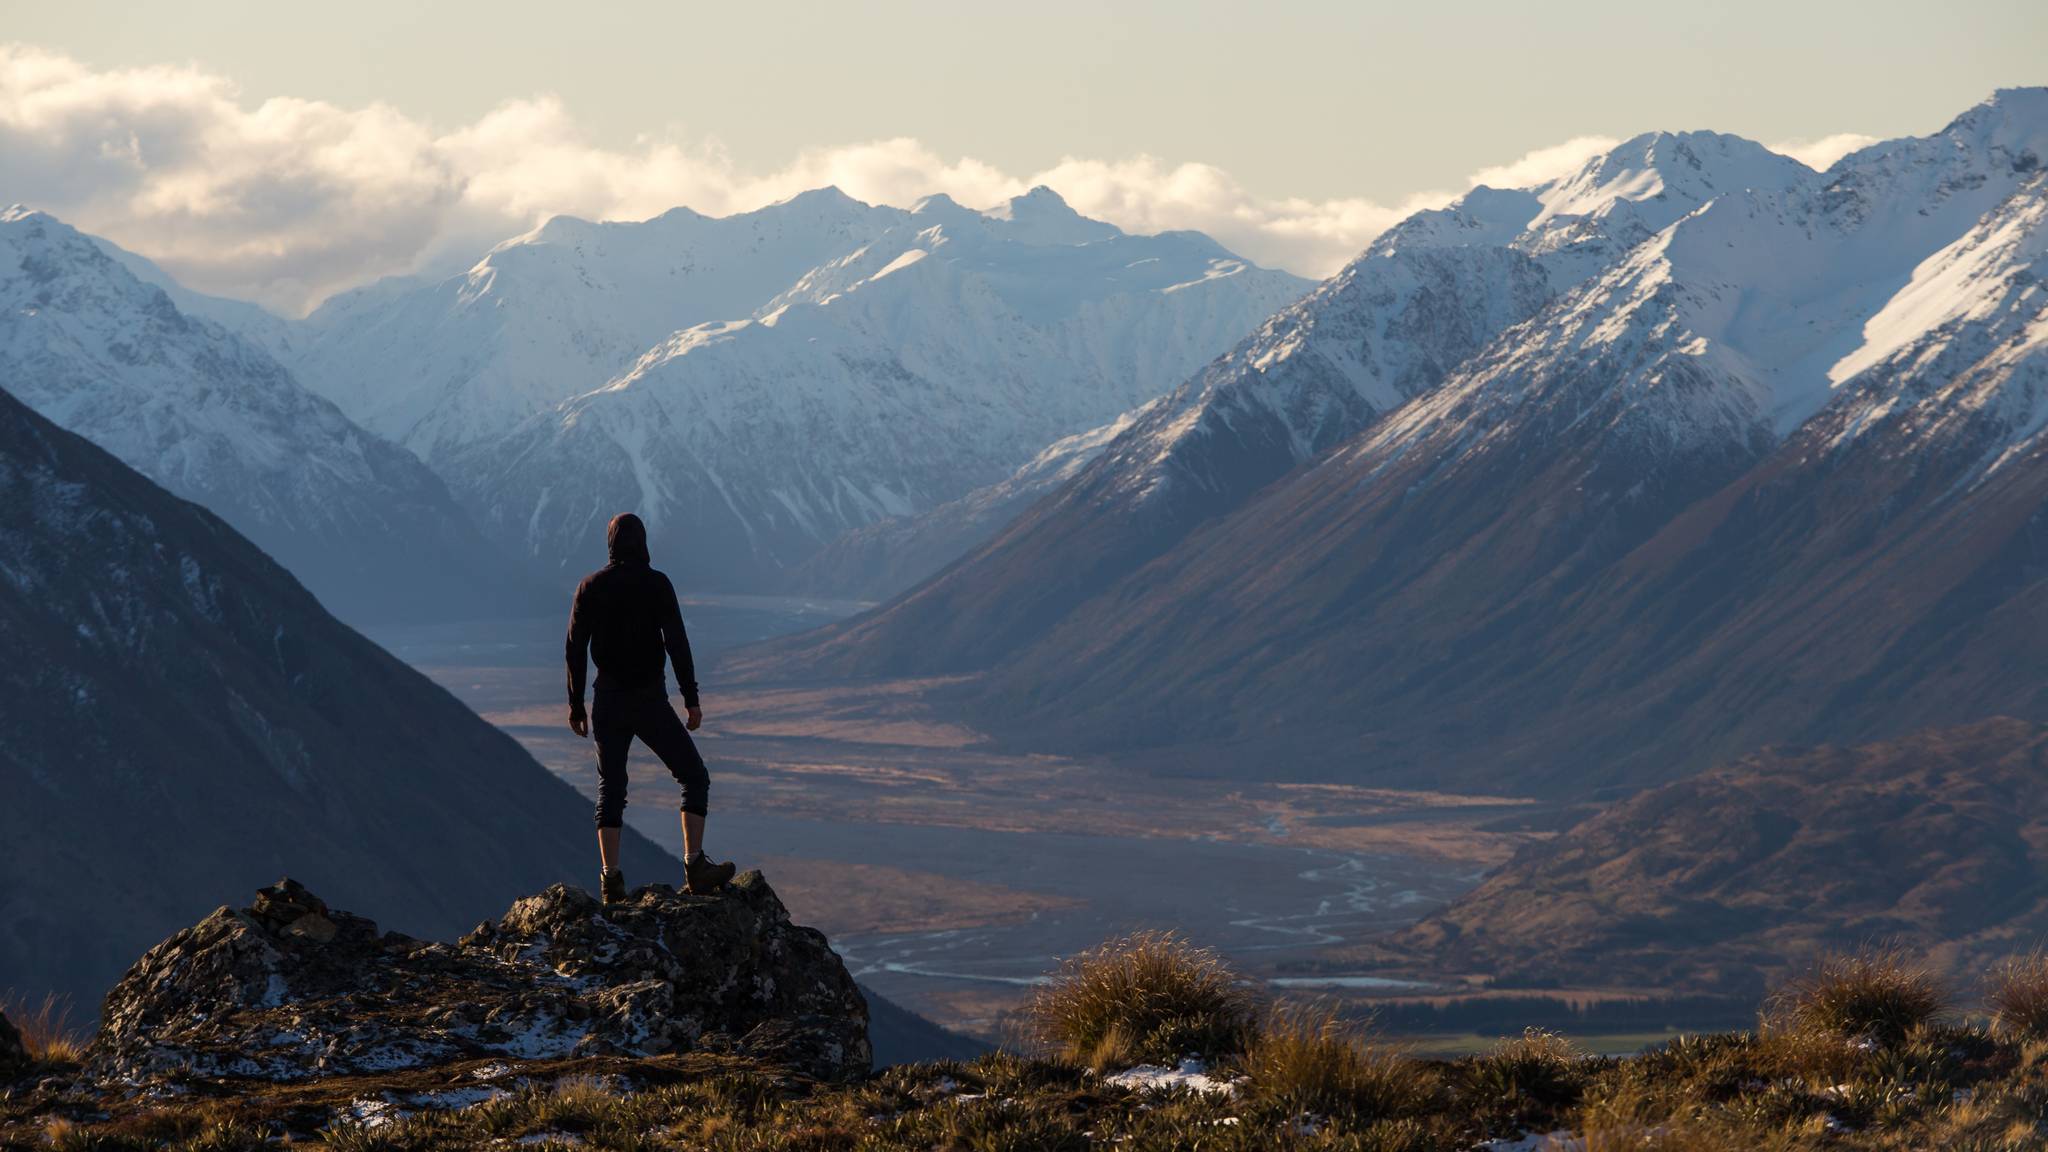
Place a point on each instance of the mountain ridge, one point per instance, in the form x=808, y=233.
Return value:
x=215, y=417
x=937, y=357
x=1419, y=602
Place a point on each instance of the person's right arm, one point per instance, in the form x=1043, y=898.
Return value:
x=677, y=639
x=576, y=650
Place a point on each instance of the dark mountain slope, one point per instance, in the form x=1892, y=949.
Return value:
x=179, y=718
x=1386, y=328
x=1936, y=840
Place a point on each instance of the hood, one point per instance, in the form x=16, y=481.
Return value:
x=625, y=541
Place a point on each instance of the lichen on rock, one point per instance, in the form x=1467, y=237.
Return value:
x=289, y=989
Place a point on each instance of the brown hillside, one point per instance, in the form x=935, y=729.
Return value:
x=1938, y=841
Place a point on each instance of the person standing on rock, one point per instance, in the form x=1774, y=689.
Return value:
x=626, y=618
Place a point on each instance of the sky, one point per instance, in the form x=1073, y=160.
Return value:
x=281, y=152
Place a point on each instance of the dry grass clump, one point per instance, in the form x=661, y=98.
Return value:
x=45, y=1027
x=1525, y=1082
x=1618, y=1124
x=1149, y=997
x=2018, y=996
x=1309, y=1059
x=1877, y=995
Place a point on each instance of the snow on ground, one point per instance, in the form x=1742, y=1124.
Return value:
x=1192, y=1075
x=1559, y=1141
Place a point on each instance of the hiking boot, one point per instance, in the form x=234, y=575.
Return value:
x=703, y=875
x=611, y=886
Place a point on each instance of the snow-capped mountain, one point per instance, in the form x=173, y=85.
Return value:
x=934, y=357
x=1774, y=470
x=1424, y=298
x=183, y=719
x=445, y=365
x=252, y=322
x=219, y=421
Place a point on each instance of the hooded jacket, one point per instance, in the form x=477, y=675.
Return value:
x=626, y=618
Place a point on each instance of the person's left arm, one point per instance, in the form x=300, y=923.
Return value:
x=677, y=640
x=576, y=652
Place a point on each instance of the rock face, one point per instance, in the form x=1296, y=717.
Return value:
x=13, y=1056
x=289, y=989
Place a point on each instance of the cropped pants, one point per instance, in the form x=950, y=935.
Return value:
x=616, y=718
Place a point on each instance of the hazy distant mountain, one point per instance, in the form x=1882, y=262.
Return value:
x=252, y=322
x=762, y=383
x=217, y=420
x=180, y=719
x=1751, y=870
x=1774, y=471
x=443, y=365
x=884, y=558
x=942, y=353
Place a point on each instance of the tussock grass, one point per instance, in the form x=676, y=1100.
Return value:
x=1150, y=997
x=1530, y=1081
x=46, y=1031
x=1877, y=995
x=2017, y=995
x=1310, y=1080
x=1307, y=1058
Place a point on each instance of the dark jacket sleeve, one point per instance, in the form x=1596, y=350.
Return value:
x=577, y=648
x=678, y=641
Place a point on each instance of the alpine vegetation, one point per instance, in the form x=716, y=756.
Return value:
x=290, y=1021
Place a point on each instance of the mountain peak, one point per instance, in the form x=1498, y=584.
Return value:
x=828, y=198
x=1677, y=171
x=936, y=204
x=680, y=214
x=1669, y=153
x=22, y=216
x=2013, y=121
x=559, y=229
x=1044, y=198
x=1042, y=216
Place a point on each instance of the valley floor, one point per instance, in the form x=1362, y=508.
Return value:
x=953, y=876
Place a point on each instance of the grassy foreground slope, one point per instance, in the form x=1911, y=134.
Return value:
x=1863, y=1053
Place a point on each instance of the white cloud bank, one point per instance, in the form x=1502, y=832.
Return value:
x=1821, y=154
x=291, y=200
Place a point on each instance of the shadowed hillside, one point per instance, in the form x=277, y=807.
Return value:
x=1938, y=840
x=183, y=718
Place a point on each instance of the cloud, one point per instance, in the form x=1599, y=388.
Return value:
x=1821, y=154
x=287, y=201
x=1545, y=164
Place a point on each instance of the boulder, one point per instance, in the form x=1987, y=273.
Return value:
x=289, y=989
x=13, y=1054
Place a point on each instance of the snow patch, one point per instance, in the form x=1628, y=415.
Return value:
x=1191, y=1074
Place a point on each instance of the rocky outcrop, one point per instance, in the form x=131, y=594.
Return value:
x=290, y=989
x=13, y=1054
